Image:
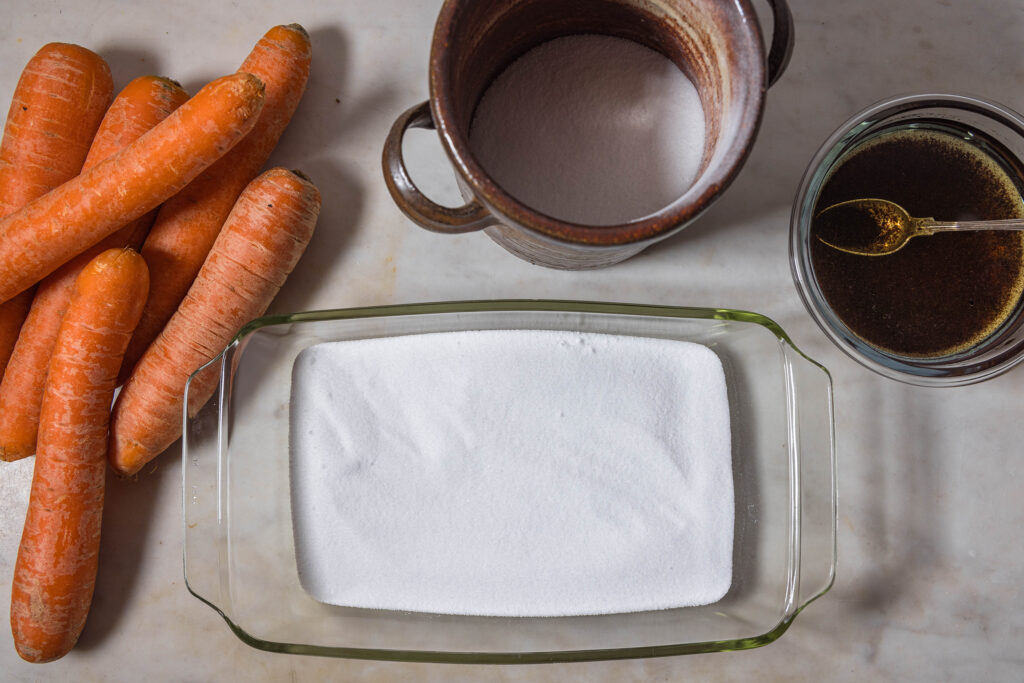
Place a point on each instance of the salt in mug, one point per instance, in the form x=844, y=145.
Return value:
x=717, y=44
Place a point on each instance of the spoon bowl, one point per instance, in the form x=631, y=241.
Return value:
x=878, y=227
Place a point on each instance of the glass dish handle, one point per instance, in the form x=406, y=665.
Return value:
x=815, y=440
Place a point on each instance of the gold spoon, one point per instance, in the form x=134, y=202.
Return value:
x=876, y=227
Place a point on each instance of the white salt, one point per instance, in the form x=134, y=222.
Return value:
x=591, y=129
x=512, y=473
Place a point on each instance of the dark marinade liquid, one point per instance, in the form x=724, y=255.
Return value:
x=940, y=294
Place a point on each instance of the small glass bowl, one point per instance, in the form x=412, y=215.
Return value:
x=239, y=544
x=996, y=353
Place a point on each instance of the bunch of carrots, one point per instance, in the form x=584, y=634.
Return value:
x=137, y=236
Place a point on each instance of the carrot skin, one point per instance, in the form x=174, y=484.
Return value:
x=188, y=223
x=143, y=103
x=51, y=230
x=261, y=242
x=55, y=572
x=12, y=318
x=56, y=108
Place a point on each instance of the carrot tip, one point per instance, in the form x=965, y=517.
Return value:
x=13, y=454
x=302, y=175
x=298, y=28
x=170, y=81
x=255, y=80
x=128, y=457
x=32, y=655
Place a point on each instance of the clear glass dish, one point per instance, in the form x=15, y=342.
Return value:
x=239, y=545
x=994, y=129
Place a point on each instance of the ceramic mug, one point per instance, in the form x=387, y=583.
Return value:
x=717, y=44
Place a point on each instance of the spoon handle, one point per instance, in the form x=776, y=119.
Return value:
x=1002, y=224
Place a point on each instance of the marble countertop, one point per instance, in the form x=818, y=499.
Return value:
x=930, y=558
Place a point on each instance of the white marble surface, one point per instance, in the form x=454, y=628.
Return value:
x=930, y=557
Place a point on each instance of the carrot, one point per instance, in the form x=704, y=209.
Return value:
x=56, y=107
x=55, y=572
x=142, y=104
x=262, y=240
x=53, y=229
x=189, y=222
x=12, y=317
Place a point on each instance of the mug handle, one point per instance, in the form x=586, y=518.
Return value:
x=782, y=40
x=413, y=203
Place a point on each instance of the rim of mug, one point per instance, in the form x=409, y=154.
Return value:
x=652, y=227
x=982, y=361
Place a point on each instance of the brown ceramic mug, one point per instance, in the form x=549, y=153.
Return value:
x=717, y=44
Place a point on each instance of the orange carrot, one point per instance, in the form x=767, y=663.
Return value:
x=56, y=109
x=12, y=317
x=262, y=240
x=55, y=572
x=57, y=105
x=141, y=105
x=189, y=222
x=53, y=229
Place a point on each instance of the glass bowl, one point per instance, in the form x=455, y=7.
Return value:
x=996, y=130
x=239, y=544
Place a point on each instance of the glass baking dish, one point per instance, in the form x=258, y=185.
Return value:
x=239, y=544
